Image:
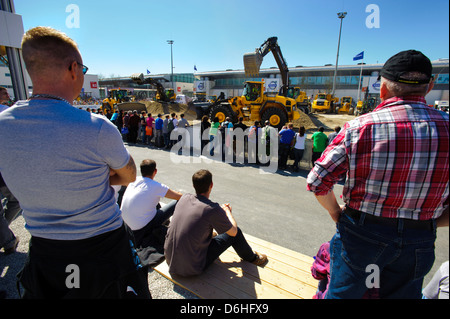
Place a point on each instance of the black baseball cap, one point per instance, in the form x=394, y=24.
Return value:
x=404, y=62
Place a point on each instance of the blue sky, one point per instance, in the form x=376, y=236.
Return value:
x=124, y=37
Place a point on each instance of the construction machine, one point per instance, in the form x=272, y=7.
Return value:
x=358, y=109
x=170, y=96
x=347, y=106
x=303, y=102
x=324, y=102
x=366, y=106
x=162, y=95
x=254, y=104
x=203, y=106
x=121, y=99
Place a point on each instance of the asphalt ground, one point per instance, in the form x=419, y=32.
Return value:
x=272, y=206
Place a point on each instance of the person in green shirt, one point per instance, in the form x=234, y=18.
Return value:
x=320, y=142
x=212, y=135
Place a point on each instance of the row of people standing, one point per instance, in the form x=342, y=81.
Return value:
x=291, y=144
x=143, y=127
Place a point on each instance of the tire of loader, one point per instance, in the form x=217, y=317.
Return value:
x=276, y=117
x=222, y=111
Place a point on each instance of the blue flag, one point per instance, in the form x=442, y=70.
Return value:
x=359, y=56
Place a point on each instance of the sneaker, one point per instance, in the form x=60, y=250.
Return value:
x=11, y=247
x=261, y=259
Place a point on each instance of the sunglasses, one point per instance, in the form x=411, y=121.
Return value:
x=85, y=68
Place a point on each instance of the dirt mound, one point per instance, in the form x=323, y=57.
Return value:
x=305, y=121
x=167, y=108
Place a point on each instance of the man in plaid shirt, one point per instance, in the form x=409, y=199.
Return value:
x=396, y=160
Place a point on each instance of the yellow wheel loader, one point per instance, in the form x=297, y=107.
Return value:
x=121, y=99
x=254, y=104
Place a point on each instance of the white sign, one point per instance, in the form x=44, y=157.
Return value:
x=200, y=86
x=11, y=29
x=374, y=85
x=272, y=85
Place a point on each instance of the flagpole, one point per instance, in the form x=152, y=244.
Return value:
x=359, y=84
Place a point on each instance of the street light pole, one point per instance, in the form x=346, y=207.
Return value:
x=171, y=61
x=341, y=15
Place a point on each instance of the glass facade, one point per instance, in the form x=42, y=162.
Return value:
x=441, y=79
x=183, y=77
x=350, y=81
x=301, y=81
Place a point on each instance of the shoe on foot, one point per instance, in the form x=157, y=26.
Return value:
x=11, y=247
x=260, y=259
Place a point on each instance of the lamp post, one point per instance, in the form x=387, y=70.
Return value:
x=341, y=15
x=171, y=61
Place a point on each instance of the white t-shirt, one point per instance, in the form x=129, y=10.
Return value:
x=140, y=200
x=299, y=141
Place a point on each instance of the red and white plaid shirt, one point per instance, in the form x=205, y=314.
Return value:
x=396, y=159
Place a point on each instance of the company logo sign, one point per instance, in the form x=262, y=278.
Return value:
x=272, y=85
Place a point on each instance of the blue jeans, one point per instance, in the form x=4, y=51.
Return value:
x=401, y=256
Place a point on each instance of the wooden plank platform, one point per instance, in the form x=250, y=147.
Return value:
x=287, y=275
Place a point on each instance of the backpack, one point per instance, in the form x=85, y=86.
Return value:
x=170, y=126
x=222, y=128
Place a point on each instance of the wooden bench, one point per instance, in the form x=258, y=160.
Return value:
x=287, y=275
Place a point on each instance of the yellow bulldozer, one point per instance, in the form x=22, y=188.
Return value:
x=324, y=102
x=347, y=106
x=121, y=99
x=254, y=104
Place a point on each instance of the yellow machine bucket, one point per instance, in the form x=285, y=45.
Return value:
x=252, y=63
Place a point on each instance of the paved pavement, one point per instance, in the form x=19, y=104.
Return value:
x=275, y=207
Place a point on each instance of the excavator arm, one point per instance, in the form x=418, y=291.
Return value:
x=253, y=61
x=138, y=78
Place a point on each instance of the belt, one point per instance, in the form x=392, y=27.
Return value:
x=393, y=222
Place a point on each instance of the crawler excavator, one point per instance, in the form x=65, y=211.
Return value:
x=254, y=104
x=161, y=92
